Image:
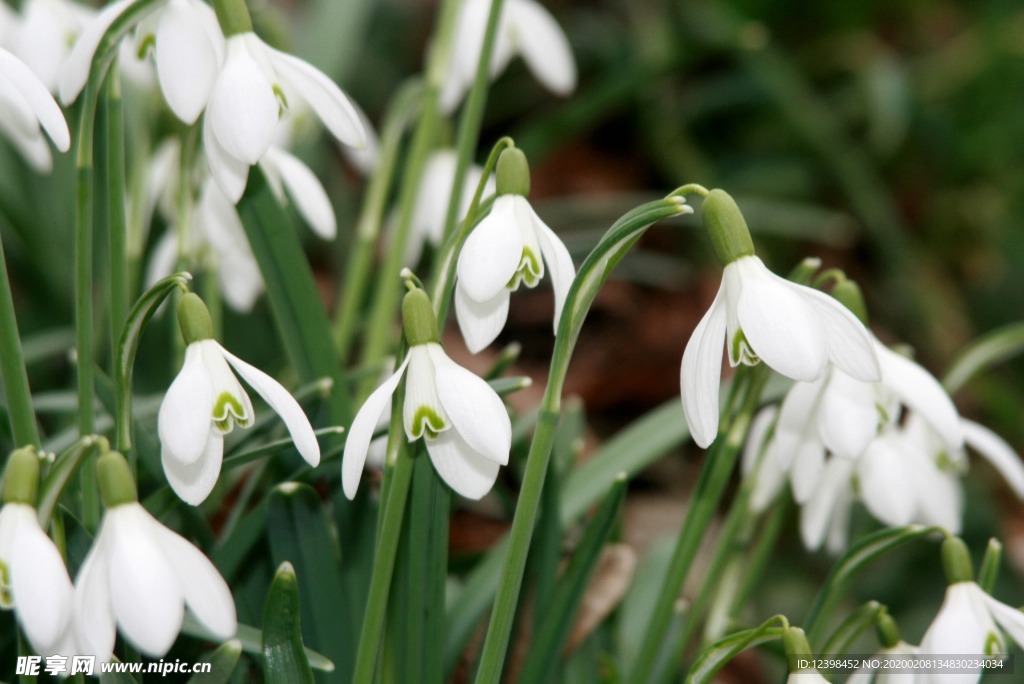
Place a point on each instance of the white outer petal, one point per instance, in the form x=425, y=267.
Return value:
x=186, y=413
x=850, y=346
x=469, y=473
x=193, y=483
x=1010, y=619
x=321, y=93
x=205, y=592
x=543, y=45
x=997, y=452
x=491, y=254
x=243, y=107
x=558, y=261
x=42, y=589
x=701, y=373
x=75, y=70
x=826, y=502
x=230, y=173
x=807, y=468
x=306, y=191
x=38, y=99
x=357, y=442
x=480, y=322
x=284, y=405
x=960, y=627
x=796, y=416
x=93, y=616
x=187, y=61
x=476, y=410
x=886, y=484
x=847, y=415
x=919, y=390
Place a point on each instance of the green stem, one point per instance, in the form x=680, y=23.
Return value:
x=12, y=367
x=714, y=476
x=117, y=226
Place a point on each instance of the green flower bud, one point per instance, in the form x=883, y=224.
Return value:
x=956, y=560
x=795, y=642
x=117, y=486
x=849, y=295
x=418, y=317
x=726, y=227
x=513, y=174
x=233, y=17
x=21, y=479
x=194, y=319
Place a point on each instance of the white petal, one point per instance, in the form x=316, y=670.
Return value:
x=808, y=466
x=243, y=108
x=42, y=589
x=75, y=70
x=184, y=421
x=558, y=261
x=939, y=496
x=194, y=482
x=826, y=502
x=95, y=628
x=38, y=98
x=847, y=415
x=491, y=254
x=475, y=409
x=770, y=477
x=357, y=442
x=919, y=390
x=469, y=473
x=796, y=417
x=230, y=173
x=19, y=121
x=306, y=191
x=850, y=346
x=480, y=322
x=284, y=405
x=322, y=94
x=206, y=593
x=778, y=323
x=886, y=485
x=701, y=373
x=1010, y=619
x=543, y=45
x=146, y=596
x=959, y=628
x=760, y=427
x=996, y=451
x=187, y=61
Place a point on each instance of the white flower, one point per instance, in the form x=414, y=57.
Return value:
x=511, y=245
x=811, y=676
x=139, y=576
x=898, y=651
x=44, y=34
x=33, y=579
x=967, y=625
x=524, y=27
x=255, y=86
x=467, y=430
x=204, y=403
x=794, y=329
x=26, y=110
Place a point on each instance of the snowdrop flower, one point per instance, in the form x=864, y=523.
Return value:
x=795, y=330
x=205, y=402
x=524, y=27
x=26, y=110
x=33, y=579
x=44, y=34
x=795, y=643
x=511, y=245
x=139, y=576
x=893, y=647
x=462, y=420
x=969, y=620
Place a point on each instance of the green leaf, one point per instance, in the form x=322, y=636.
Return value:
x=116, y=677
x=715, y=656
x=985, y=352
x=989, y=570
x=852, y=627
x=300, y=532
x=284, y=657
x=251, y=639
x=223, y=662
x=61, y=473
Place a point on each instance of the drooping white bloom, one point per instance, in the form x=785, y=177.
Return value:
x=795, y=330
x=138, y=577
x=467, y=430
x=204, y=403
x=969, y=622
x=511, y=245
x=898, y=651
x=44, y=33
x=524, y=27
x=33, y=579
x=27, y=110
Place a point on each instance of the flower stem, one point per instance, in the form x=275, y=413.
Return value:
x=117, y=221
x=711, y=482
x=12, y=367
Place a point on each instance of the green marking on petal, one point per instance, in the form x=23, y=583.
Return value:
x=883, y=416
x=741, y=351
x=6, y=594
x=530, y=271
x=146, y=46
x=227, y=411
x=426, y=422
x=282, y=100
x=993, y=644
x=944, y=462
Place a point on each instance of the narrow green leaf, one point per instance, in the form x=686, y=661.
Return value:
x=852, y=627
x=284, y=657
x=251, y=639
x=300, y=532
x=558, y=619
x=61, y=473
x=983, y=353
x=715, y=656
x=223, y=662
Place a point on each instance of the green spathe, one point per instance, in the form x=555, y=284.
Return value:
x=117, y=486
x=849, y=295
x=233, y=17
x=418, y=318
x=795, y=642
x=194, y=319
x=956, y=561
x=726, y=227
x=888, y=632
x=21, y=479
x=513, y=173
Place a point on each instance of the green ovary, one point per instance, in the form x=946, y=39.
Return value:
x=228, y=410
x=426, y=422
